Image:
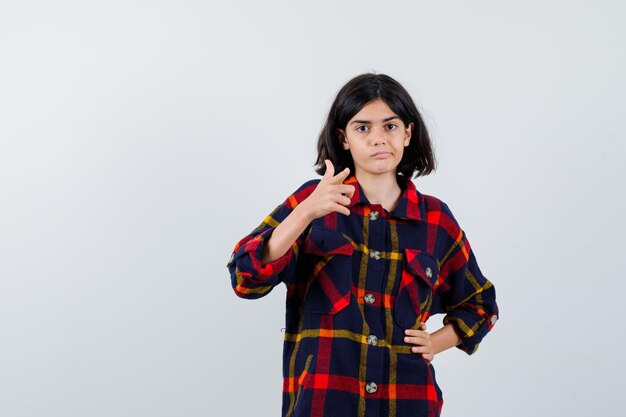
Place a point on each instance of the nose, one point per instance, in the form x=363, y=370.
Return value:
x=379, y=136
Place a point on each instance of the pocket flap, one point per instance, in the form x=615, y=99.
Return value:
x=415, y=294
x=422, y=264
x=323, y=242
x=331, y=269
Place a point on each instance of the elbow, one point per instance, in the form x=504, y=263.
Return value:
x=245, y=287
x=251, y=293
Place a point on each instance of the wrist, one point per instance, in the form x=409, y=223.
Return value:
x=304, y=213
x=444, y=338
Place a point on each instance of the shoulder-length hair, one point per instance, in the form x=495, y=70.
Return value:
x=418, y=156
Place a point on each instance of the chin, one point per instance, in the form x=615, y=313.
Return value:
x=384, y=168
x=384, y=171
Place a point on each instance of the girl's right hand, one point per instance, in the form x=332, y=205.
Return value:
x=330, y=194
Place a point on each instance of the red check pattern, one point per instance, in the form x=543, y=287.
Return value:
x=354, y=284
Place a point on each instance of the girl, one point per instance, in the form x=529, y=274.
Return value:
x=367, y=259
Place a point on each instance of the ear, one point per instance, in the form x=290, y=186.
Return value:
x=342, y=139
x=407, y=134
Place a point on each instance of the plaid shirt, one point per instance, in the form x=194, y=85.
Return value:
x=354, y=284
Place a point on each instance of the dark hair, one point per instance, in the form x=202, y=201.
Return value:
x=418, y=155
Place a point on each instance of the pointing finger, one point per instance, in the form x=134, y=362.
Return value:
x=338, y=179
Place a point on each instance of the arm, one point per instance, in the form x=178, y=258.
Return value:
x=269, y=254
x=286, y=234
x=250, y=276
x=326, y=198
x=468, y=296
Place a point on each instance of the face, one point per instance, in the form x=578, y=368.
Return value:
x=376, y=138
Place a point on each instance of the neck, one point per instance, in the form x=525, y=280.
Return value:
x=380, y=189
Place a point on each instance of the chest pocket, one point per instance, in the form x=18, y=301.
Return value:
x=329, y=260
x=414, y=297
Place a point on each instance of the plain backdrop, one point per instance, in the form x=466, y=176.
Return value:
x=140, y=140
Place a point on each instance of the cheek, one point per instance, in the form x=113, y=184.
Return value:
x=357, y=151
x=399, y=152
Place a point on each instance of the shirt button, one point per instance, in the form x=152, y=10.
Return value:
x=375, y=254
x=369, y=298
x=374, y=215
x=494, y=318
x=372, y=340
x=429, y=272
x=371, y=387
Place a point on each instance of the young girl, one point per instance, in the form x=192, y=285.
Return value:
x=367, y=259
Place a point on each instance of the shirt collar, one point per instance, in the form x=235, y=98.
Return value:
x=409, y=207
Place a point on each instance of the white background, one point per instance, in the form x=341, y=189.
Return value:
x=141, y=139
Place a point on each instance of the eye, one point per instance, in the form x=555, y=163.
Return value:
x=391, y=126
x=361, y=128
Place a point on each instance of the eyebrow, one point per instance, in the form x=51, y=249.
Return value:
x=369, y=122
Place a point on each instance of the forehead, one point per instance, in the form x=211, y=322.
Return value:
x=374, y=111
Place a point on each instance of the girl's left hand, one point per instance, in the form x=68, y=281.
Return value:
x=421, y=339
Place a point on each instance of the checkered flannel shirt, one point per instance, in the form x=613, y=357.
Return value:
x=354, y=284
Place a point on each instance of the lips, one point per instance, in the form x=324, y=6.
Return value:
x=381, y=154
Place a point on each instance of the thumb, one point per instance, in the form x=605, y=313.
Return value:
x=330, y=169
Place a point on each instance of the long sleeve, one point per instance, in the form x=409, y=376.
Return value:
x=469, y=297
x=249, y=277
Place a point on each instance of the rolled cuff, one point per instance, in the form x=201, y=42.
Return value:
x=471, y=327
x=248, y=259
